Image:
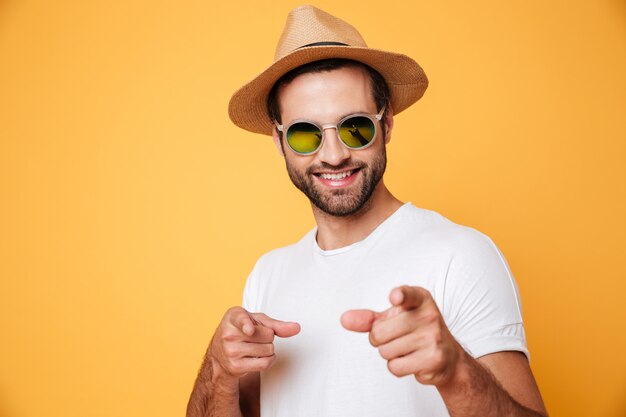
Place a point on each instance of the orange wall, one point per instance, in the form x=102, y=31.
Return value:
x=131, y=210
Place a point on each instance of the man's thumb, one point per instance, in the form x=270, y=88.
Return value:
x=280, y=328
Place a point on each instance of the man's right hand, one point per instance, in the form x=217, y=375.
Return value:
x=243, y=342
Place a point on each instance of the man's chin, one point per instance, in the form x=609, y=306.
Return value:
x=340, y=201
x=339, y=206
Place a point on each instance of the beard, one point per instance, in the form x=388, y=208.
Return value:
x=340, y=202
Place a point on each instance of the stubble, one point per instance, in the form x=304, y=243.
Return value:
x=340, y=202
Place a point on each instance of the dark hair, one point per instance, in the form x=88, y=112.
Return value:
x=380, y=89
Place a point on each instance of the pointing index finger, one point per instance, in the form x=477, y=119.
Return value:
x=280, y=328
x=358, y=320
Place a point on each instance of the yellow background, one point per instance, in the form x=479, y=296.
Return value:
x=132, y=210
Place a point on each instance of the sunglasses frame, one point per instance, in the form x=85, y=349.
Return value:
x=322, y=127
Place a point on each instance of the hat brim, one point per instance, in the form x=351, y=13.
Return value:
x=405, y=78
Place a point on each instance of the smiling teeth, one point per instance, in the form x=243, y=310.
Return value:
x=336, y=177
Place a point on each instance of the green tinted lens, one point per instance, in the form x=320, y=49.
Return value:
x=357, y=132
x=304, y=137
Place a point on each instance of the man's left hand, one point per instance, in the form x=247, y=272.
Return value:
x=411, y=335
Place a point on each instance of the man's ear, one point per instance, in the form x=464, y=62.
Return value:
x=388, y=118
x=277, y=141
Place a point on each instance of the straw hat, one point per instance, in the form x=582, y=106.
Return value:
x=311, y=34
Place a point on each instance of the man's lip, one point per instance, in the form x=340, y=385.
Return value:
x=336, y=172
x=344, y=182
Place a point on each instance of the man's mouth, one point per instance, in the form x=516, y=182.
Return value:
x=337, y=179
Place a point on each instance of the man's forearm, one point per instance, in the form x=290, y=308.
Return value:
x=474, y=391
x=212, y=395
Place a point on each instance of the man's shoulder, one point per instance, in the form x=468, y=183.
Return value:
x=433, y=228
x=434, y=224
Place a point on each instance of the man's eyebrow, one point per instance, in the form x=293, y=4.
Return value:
x=338, y=119
x=353, y=112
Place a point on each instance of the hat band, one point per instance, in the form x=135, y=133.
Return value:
x=324, y=44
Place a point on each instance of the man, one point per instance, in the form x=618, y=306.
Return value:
x=379, y=290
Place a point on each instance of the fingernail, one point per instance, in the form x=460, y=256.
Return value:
x=397, y=296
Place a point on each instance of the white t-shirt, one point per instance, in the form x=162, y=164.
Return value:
x=326, y=370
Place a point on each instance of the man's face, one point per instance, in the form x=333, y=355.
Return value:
x=337, y=180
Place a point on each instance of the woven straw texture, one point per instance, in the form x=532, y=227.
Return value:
x=308, y=25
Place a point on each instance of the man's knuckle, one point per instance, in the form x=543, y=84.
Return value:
x=267, y=332
x=423, y=293
x=434, y=337
x=260, y=315
x=431, y=316
x=229, y=335
x=437, y=358
x=385, y=353
x=377, y=335
x=264, y=350
x=425, y=377
x=373, y=339
x=230, y=350
x=236, y=367
x=232, y=311
x=393, y=367
x=266, y=362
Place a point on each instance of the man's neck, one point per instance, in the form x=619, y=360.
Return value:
x=336, y=232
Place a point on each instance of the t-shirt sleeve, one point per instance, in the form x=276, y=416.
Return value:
x=481, y=303
x=250, y=291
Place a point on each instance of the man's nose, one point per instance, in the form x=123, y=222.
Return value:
x=333, y=152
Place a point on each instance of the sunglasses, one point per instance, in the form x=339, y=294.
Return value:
x=356, y=131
